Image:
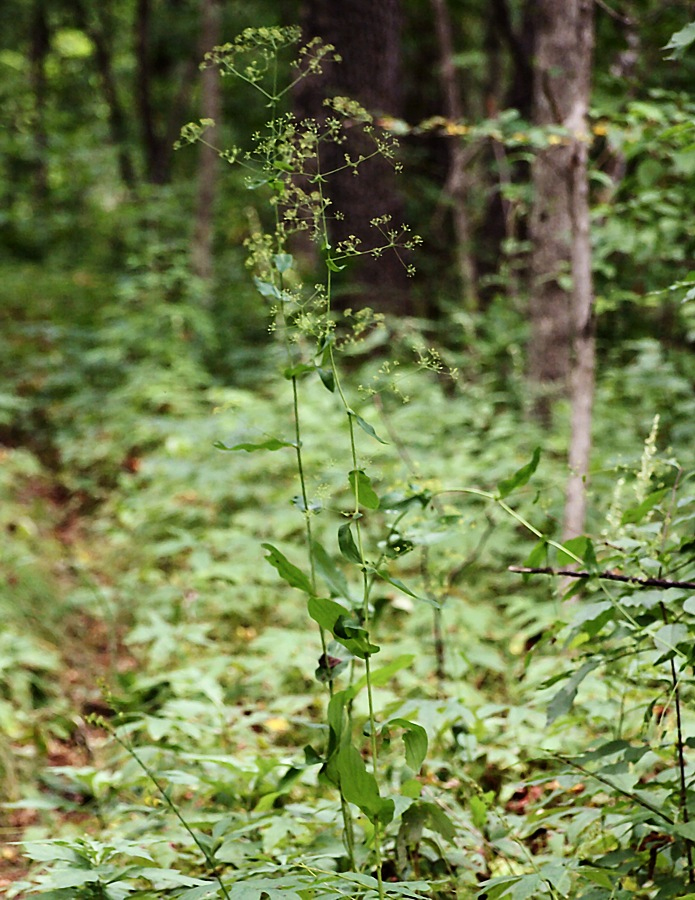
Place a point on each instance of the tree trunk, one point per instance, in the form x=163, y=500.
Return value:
x=210, y=108
x=117, y=120
x=583, y=323
x=561, y=308
x=367, y=37
x=456, y=186
x=558, y=99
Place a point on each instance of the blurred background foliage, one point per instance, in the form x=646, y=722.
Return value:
x=130, y=550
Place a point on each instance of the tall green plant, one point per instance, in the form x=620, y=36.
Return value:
x=286, y=162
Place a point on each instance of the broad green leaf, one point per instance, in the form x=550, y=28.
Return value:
x=69, y=878
x=478, y=809
x=204, y=892
x=366, y=427
x=680, y=41
x=354, y=636
x=297, y=371
x=336, y=619
x=283, y=261
x=636, y=514
x=538, y=556
x=327, y=569
x=270, y=444
x=439, y=821
x=347, y=545
x=415, y=739
x=563, y=700
x=685, y=830
x=579, y=546
x=527, y=886
x=362, y=489
x=498, y=887
x=360, y=787
x=325, y=612
x=327, y=378
x=266, y=289
x=668, y=637
x=520, y=477
x=286, y=570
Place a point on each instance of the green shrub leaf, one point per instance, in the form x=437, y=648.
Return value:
x=286, y=570
x=520, y=477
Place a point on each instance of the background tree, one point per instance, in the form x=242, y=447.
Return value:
x=367, y=37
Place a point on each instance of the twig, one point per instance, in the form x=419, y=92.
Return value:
x=608, y=576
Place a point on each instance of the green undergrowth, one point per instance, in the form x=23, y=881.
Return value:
x=269, y=621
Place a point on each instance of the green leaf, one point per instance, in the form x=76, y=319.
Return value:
x=297, y=371
x=354, y=636
x=439, y=821
x=270, y=444
x=365, y=426
x=327, y=378
x=283, y=261
x=580, y=546
x=415, y=740
x=327, y=569
x=538, y=557
x=362, y=488
x=685, y=830
x=478, y=809
x=337, y=619
x=333, y=266
x=520, y=477
x=563, y=700
x=347, y=545
x=325, y=612
x=637, y=513
x=397, y=583
x=680, y=41
x=359, y=786
x=286, y=570
x=668, y=637
x=266, y=289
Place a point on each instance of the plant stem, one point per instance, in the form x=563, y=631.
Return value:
x=680, y=756
x=375, y=757
x=174, y=808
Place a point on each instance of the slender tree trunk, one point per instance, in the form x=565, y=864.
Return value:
x=583, y=324
x=456, y=186
x=210, y=108
x=40, y=42
x=117, y=120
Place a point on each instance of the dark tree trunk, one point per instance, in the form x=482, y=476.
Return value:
x=117, y=121
x=159, y=127
x=154, y=168
x=210, y=108
x=457, y=182
x=40, y=44
x=367, y=37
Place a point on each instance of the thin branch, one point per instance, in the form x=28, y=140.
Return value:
x=607, y=576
